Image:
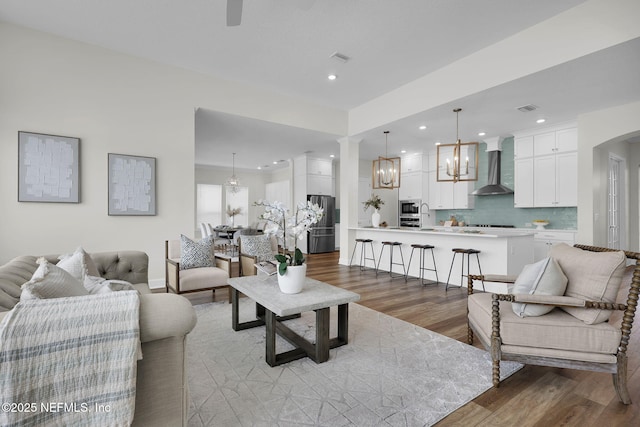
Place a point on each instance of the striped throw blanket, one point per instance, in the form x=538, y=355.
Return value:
x=70, y=361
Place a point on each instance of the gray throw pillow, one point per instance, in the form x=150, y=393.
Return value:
x=196, y=254
x=258, y=246
x=544, y=277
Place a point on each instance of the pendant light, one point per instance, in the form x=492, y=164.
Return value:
x=459, y=161
x=386, y=170
x=232, y=183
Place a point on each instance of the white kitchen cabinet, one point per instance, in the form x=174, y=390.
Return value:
x=567, y=179
x=523, y=147
x=546, y=168
x=410, y=186
x=544, y=240
x=319, y=167
x=566, y=140
x=560, y=141
x=312, y=176
x=544, y=143
x=447, y=195
x=523, y=183
x=556, y=182
x=411, y=163
x=320, y=184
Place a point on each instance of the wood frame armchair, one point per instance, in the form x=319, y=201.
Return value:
x=196, y=279
x=615, y=362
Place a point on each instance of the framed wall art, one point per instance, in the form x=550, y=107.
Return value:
x=48, y=168
x=132, y=185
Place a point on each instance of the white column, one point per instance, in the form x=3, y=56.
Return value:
x=349, y=161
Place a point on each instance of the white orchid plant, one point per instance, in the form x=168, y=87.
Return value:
x=289, y=228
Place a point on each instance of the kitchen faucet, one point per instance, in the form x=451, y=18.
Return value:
x=422, y=212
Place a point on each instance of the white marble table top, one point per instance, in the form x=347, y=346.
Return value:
x=315, y=294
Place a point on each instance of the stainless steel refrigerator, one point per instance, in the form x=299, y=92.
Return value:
x=322, y=235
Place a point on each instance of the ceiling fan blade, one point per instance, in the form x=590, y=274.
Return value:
x=234, y=12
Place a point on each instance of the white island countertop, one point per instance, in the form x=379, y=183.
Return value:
x=502, y=250
x=457, y=231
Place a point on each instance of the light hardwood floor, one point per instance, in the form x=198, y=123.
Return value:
x=534, y=396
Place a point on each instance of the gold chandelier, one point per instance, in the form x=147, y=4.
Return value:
x=386, y=170
x=453, y=170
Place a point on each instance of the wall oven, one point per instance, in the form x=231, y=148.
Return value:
x=409, y=213
x=412, y=221
x=409, y=207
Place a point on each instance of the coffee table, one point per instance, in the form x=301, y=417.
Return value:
x=273, y=307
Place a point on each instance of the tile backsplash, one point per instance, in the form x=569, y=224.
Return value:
x=499, y=209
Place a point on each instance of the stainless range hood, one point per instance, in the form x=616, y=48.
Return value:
x=493, y=187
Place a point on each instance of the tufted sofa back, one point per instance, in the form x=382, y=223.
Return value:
x=131, y=266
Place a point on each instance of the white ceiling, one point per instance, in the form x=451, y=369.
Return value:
x=284, y=45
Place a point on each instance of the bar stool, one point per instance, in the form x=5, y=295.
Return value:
x=391, y=246
x=363, y=254
x=422, y=268
x=468, y=252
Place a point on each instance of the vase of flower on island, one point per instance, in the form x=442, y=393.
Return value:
x=292, y=269
x=374, y=202
x=375, y=219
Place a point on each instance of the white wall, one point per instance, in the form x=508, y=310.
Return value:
x=610, y=125
x=115, y=104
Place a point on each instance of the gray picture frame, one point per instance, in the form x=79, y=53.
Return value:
x=132, y=185
x=48, y=168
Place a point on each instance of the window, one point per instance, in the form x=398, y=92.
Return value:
x=209, y=204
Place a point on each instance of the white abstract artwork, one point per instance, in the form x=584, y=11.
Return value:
x=48, y=168
x=132, y=185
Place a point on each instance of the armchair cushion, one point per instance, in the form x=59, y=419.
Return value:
x=545, y=277
x=594, y=276
x=556, y=334
x=196, y=254
x=258, y=246
x=202, y=278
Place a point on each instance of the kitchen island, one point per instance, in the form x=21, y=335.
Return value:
x=503, y=251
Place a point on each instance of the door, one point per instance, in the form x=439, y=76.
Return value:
x=616, y=203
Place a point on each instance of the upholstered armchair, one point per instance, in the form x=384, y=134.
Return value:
x=184, y=275
x=253, y=249
x=588, y=324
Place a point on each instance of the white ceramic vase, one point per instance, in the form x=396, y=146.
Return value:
x=375, y=219
x=293, y=279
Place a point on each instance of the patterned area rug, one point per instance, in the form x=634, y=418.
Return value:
x=391, y=373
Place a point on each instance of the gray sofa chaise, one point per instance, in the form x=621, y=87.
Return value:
x=165, y=321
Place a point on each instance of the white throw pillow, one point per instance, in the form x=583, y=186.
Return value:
x=74, y=264
x=544, y=277
x=51, y=281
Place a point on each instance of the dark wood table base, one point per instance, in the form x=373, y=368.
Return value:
x=318, y=351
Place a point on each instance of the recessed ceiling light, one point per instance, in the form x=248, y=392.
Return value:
x=541, y=120
x=275, y=162
x=437, y=143
x=423, y=127
x=331, y=155
x=482, y=133
x=259, y=167
x=332, y=76
x=403, y=151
